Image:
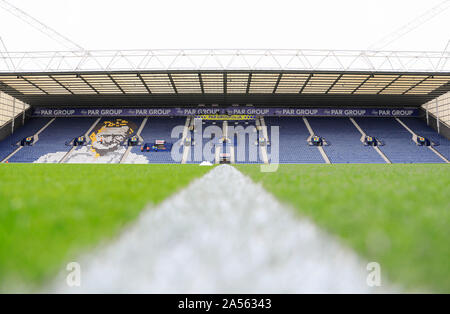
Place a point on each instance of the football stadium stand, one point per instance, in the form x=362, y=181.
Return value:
x=342, y=137
x=347, y=108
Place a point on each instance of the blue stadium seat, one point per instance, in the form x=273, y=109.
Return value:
x=399, y=147
x=345, y=141
x=159, y=128
x=420, y=127
x=7, y=146
x=53, y=139
x=294, y=148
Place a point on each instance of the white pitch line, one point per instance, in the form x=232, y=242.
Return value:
x=222, y=234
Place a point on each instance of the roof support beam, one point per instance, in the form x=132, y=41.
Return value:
x=306, y=83
x=88, y=84
x=37, y=86
x=118, y=86
x=248, y=83
x=201, y=82
x=9, y=90
x=172, y=83
x=277, y=83
x=363, y=82
x=143, y=83
x=415, y=85
x=390, y=83
x=225, y=83
x=61, y=84
x=334, y=83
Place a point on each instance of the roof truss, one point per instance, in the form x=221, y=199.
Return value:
x=226, y=59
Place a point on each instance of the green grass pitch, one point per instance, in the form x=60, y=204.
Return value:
x=396, y=215
x=51, y=213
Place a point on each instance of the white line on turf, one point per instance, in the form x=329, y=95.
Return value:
x=222, y=234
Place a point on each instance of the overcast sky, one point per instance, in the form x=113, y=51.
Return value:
x=141, y=24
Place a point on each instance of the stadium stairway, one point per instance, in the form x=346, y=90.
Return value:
x=227, y=146
x=210, y=144
x=160, y=128
x=399, y=146
x=8, y=145
x=293, y=145
x=138, y=135
x=344, y=139
x=263, y=133
x=190, y=159
x=191, y=156
x=186, y=136
x=54, y=138
x=421, y=128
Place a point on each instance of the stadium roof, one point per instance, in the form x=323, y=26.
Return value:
x=263, y=77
